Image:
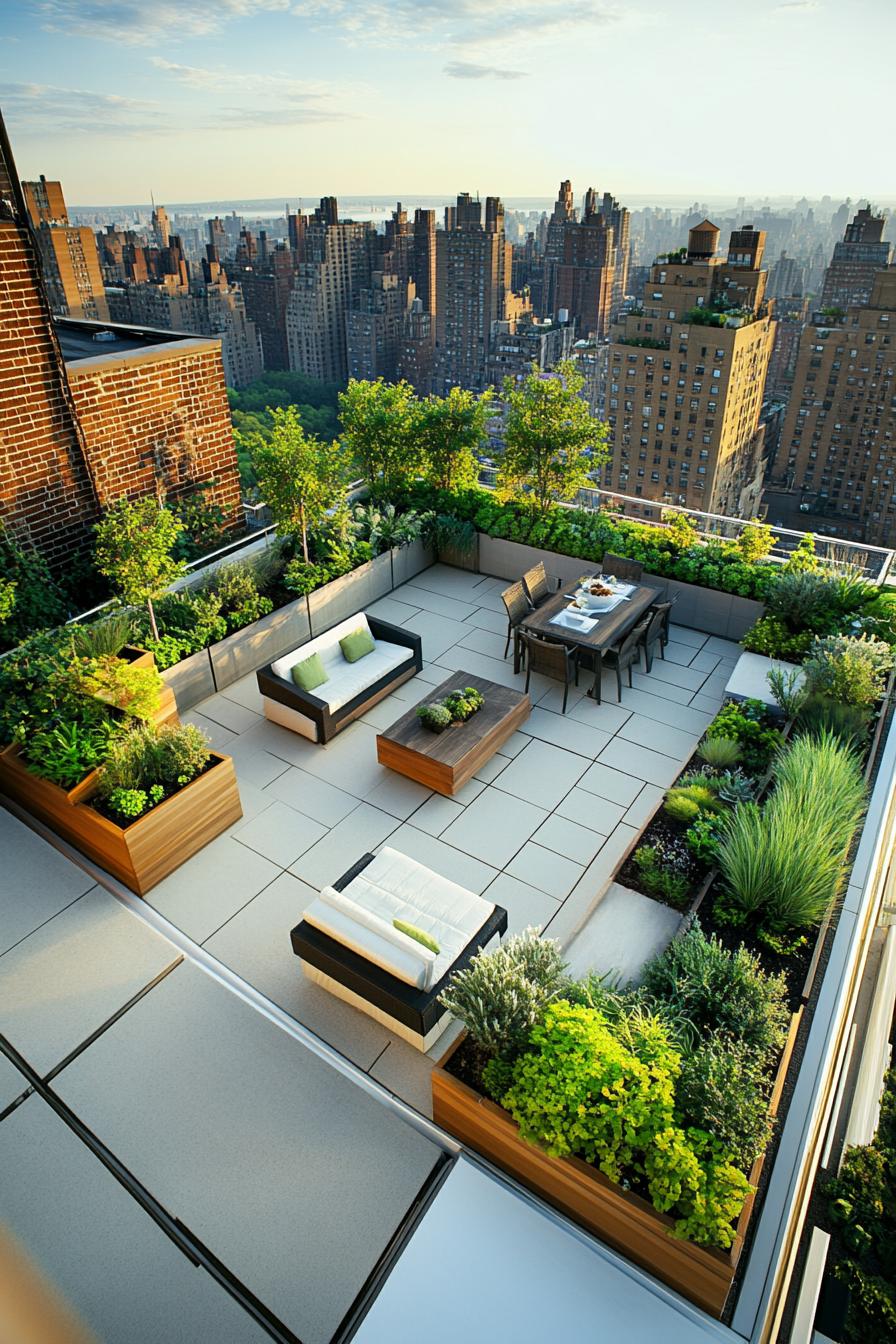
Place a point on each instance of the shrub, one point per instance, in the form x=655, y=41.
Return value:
x=804, y=600
x=384, y=527
x=723, y=1090
x=577, y=1089
x=755, y=542
x=236, y=588
x=192, y=618
x=687, y=801
x=747, y=723
x=789, y=689
x=108, y=635
x=848, y=723
x=718, y=990
x=785, y=864
x=702, y=838
x=168, y=757
x=135, y=540
x=849, y=669
x=659, y=877
x=721, y=753
x=501, y=994
x=32, y=599
x=136, y=691
x=689, y=1174
x=771, y=637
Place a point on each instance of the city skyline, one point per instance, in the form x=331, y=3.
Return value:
x=265, y=98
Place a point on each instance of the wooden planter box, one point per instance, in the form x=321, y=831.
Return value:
x=141, y=854
x=625, y=1221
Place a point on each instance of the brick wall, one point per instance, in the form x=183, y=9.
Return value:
x=46, y=495
x=158, y=417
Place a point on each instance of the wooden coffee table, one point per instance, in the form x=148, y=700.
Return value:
x=445, y=761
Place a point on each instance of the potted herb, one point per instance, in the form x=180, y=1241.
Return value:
x=435, y=716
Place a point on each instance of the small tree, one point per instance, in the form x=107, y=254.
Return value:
x=381, y=430
x=300, y=477
x=452, y=429
x=548, y=431
x=134, y=541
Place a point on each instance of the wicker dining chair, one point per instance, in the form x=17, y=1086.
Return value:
x=516, y=604
x=617, y=565
x=622, y=657
x=656, y=634
x=551, y=659
x=535, y=582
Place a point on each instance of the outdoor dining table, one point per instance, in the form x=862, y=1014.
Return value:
x=608, y=629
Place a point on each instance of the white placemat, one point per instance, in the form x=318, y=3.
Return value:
x=570, y=621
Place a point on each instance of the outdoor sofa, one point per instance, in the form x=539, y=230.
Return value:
x=350, y=688
x=347, y=942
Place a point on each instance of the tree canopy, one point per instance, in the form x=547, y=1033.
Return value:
x=381, y=431
x=134, y=541
x=452, y=431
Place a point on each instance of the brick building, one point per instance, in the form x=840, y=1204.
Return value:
x=835, y=469
x=686, y=376
x=856, y=261
x=82, y=426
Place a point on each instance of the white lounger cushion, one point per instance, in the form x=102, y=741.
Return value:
x=393, y=886
x=344, y=680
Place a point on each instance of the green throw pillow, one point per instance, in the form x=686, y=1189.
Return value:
x=417, y=934
x=356, y=645
x=309, y=673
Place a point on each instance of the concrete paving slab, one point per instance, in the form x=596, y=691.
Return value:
x=592, y=810
x=644, y=806
x=617, y=786
x=542, y=774
x=255, y=944
x=36, y=881
x=12, y=1083
x=683, y=654
x=650, y=766
x=349, y=761
x=253, y=764
x=392, y=610
x=709, y=705
x=692, y=718
x=486, y=618
x=461, y=584
x=73, y=974
x=232, y=715
x=563, y=836
x=542, y=868
x=560, y=731
x=494, y=827
x=525, y=905
x=682, y=634
x=280, y=834
x=439, y=633
x=429, y=600
x=219, y=738
x=246, y=693
x=314, y=797
x=209, y=888
x=115, y=1268
x=489, y=642
x=661, y=686
x=589, y=891
x=286, y=1169
x=407, y=1073
x=397, y=795
x=674, y=742
x=622, y=935
x=608, y=716
x=437, y=813
x=358, y=833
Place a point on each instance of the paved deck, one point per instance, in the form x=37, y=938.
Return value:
x=539, y=830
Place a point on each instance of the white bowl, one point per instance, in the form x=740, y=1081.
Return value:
x=590, y=603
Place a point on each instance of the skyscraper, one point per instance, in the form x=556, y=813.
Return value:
x=583, y=275
x=375, y=327
x=617, y=217
x=849, y=278
x=473, y=267
x=266, y=289
x=562, y=214
x=686, y=378
x=69, y=257
x=835, y=470
x=336, y=267
x=424, y=269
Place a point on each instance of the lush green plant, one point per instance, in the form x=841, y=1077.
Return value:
x=203, y=522
x=192, y=619
x=551, y=440
x=746, y=723
x=64, y=752
x=771, y=637
x=300, y=477
x=452, y=429
x=718, y=990
x=502, y=994
x=135, y=690
x=723, y=1090
x=849, y=669
x=445, y=532
x=578, y=1089
x=134, y=544
x=734, y=787
x=804, y=600
x=461, y=705
x=436, y=716
x=236, y=588
x=381, y=430
x=755, y=542
x=384, y=526
x=147, y=756
x=849, y=723
x=788, y=687
x=107, y=635
x=720, y=753
x=702, y=838
x=30, y=599
x=784, y=865
x=692, y=1176
x=687, y=801
x=659, y=878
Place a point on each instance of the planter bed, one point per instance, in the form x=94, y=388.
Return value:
x=622, y=1219
x=151, y=847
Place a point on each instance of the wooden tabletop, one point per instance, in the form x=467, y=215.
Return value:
x=611, y=625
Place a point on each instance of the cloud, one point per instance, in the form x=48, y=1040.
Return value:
x=47, y=109
x=797, y=6
x=469, y=70
x=237, y=117
x=140, y=21
x=268, y=85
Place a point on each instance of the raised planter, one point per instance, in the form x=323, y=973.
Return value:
x=351, y=593
x=191, y=679
x=141, y=854
x=706, y=609
x=408, y=561
x=259, y=643
x=618, y=1217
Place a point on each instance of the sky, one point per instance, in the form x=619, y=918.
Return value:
x=213, y=99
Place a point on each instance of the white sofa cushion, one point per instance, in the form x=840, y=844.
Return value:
x=375, y=939
x=345, y=680
x=327, y=645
